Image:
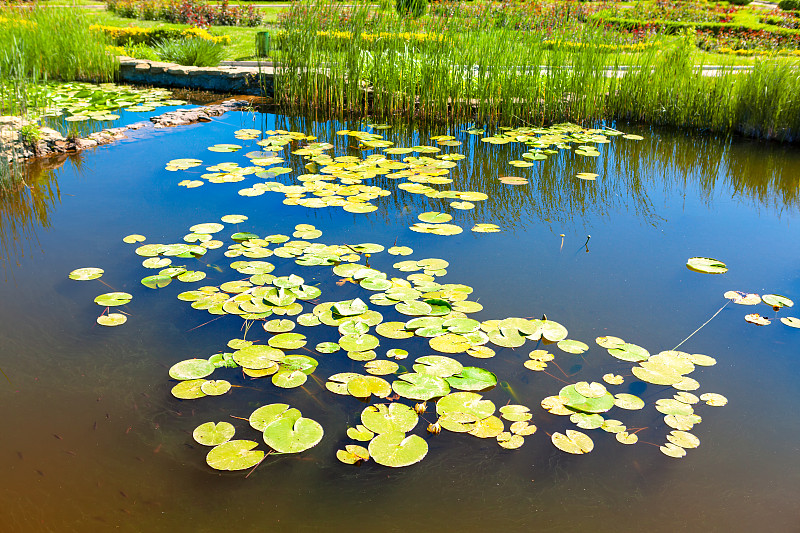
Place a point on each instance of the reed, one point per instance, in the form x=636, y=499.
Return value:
x=518, y=65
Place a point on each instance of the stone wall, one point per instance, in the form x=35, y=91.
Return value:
x=227, y=79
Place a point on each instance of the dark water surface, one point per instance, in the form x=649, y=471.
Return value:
x=92, y=440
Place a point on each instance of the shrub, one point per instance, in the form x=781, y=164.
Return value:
x=739, y=2
x=789, y=5
x=414, y=8
x=195, y=52
x=135, y=35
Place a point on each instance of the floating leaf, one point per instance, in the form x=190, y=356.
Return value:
x=86, y=273
x=287, y=436
x=352, y=454
x=791, y=321
x=672, y=450
x=714, y=399
x=758, y=320
x=365, y=386
x=288, y=341
x=191, y=369
x=683, y=439
x=111, y=299
x=437, y=365
x=742, y=298
x=215, y=387
x=211, y=434
x=573, y=442
x=572, y=346
x=450, y=343
x=706, y=265
x=396, y=450
x=777, y=301
x=234, y=455
x=112, y=319
x=628, y=401
x=189, y=390
x=420, y=387
x=156, y=282
x=472, y=378
x=613, y=379
x=393, y=417
x=624, y=437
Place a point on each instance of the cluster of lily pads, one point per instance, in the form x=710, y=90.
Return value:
x=339, y=181
x=707, y=265
x=436, y=311
x=80, y=102
x=424, y=307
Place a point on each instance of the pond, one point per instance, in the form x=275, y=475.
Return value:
x=95, y=440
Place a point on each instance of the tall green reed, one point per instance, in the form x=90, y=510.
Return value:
x=510, y=66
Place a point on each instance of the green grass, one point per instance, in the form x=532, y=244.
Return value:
x=243, y=40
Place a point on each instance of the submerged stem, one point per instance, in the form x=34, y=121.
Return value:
x=704, y=324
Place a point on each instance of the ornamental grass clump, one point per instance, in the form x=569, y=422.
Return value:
x=190, y=51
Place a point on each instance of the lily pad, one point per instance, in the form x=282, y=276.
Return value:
x=383, y=418
x=112, y=299
x=191, y=369
x=287, y=436
x=706, y=265
x=420, y=387
x=472, y=378
x=234, y=455
x=211, y=434
x=396, y=450
x=112, y=319
x=86, y=273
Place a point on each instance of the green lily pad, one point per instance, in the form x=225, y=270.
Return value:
x=706, y=265
x=434, y=217
x=383, y=418
x=629, y=352
x=112, y=299
x=628, y=401
x=396, y=450
x=472, y=378
x=289, y=379
x=86, y=273
x=288, y=341
x=211, y=434
x=234, y=455
x=156, y=282
x=112, y=319
x=366, y=386
x=189, y=390
x=777, y=301
x=575, y=400
x=420, y=387
x=191, y=369
x=437, y=365
x=191, y=276
x=287, y=436
x=267, y=414
x=572, y=346
x=358, y=343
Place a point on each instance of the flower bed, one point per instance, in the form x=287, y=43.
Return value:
x=192, y=12
x=134, y=35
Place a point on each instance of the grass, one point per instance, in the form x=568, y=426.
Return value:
x=452, y=69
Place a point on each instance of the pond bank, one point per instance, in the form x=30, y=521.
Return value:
x=50, y=141
x=236, y=79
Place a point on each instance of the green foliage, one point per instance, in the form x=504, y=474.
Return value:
x=789, y=5
x=195, y=52
x=739, y=2
x=52, y=44
x=413, y=8
x=30, y=133
x=386, y=64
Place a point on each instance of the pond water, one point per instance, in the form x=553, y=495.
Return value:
x=94, y=441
